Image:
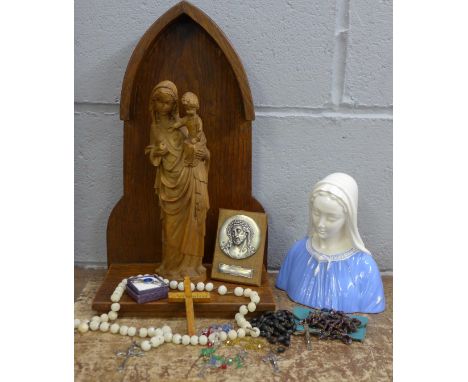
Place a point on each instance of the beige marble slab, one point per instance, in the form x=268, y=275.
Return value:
x=95, y=358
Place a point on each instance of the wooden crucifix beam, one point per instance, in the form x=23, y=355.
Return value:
x=189, y=298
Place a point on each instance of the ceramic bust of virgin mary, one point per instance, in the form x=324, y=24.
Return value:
x=331, y=268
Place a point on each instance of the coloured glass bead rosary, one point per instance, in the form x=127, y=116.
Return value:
x=158, y=336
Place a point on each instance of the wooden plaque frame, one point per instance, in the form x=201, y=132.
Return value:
x=253, y=262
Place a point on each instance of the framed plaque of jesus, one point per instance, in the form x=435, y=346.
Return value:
x=240, y=247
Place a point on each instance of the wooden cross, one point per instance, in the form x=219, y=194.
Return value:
x=189, y=298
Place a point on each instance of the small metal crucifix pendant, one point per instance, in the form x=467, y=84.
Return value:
x=272, y=359
x=133, y=351
x=306, y=334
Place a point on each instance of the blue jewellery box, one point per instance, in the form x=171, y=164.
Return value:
x=147, y=288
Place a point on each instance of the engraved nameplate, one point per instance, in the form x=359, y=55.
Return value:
x=235, y=270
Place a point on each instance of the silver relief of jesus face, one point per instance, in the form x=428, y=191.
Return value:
x=239, y=237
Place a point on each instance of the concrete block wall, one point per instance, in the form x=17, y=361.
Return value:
x=321, y=78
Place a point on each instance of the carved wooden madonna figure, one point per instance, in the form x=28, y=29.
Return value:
x=181, y=159
x=165, y=215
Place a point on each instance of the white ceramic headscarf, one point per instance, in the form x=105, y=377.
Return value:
x=345, y=189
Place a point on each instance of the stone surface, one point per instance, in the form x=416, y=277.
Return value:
x=95, y=358
x=369, y=79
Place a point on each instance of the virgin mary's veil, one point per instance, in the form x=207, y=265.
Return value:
x=345, y=188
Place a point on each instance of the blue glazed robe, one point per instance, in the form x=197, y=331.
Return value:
x=350, y=285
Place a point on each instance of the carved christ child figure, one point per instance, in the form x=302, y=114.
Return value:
x=191, y=121
x=181, y=184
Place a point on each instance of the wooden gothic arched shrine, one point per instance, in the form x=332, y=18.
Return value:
x=186, y=47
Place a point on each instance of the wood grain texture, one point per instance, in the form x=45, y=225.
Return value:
x=220, y=306
x=183, y=8
x=186, y=47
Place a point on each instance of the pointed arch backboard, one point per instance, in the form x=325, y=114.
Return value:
x=184, y=46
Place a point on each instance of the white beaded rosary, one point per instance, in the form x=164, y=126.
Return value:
x=158, y=336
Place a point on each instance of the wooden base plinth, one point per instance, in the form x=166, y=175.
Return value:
x=220, y=306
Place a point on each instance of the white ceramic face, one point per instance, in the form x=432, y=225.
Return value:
x=328, y=217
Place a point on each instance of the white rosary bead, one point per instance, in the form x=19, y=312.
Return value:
x=243, y=310
x=94, y=325
x=180, y=286
x=114, y=328
x=104, y=317
x=145, y=345
x=244, y=324
x=194, y=340
x=167, y=337
x=173, y=284
x=143, y=332
x=166, y=329
x=166, y=281
x=255, y=332
x=77, y=322
x=255, y=298
x=240, y=321
x=240, y=333
x=112, y=315
x=123, y=330
x=239, y=291
x=222, y=290
x=115, y=307
x=151, y=331
x=119, y=290
x=96, y=318
x=104, y=327
x=212, y=337
x=192, y=286
x=124, y=281
x=247, y=292
x=209, y=287
x=115, y=298
x=251, y=307
x=203, y=340
x=238, y=316
x=200, y=286
x=223, y=336
x=160, y=339
x=131, y=331
x=158, y=332
x=83, y=327
x=232, y=334
x=176, y=338
x=155, y=341
x=185, y=339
